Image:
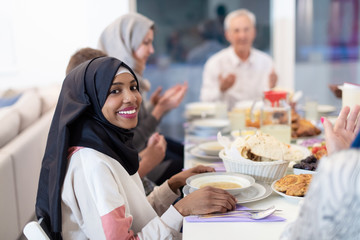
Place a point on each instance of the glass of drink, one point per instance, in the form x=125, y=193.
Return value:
x=311, y=109
x=237, y=120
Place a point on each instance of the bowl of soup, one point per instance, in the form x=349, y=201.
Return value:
x=233, y=183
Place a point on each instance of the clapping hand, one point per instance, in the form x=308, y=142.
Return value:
x=155, y=97
x=345, y=130
x=226, y=82
x=153, y=154
x=170, y=100
x=272, y=79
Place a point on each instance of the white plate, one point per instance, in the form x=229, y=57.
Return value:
x=303, y=151
x=213, y=123
x=283, y=194
x=326, y=108
x=256, y=192
x=245, y=181
x=196, y=152
x=211, y=148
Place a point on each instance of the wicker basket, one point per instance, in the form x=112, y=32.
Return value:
x=261, y=171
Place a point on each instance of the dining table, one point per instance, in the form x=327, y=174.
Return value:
x=289, y=207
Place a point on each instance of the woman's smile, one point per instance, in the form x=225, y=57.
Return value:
x=128, y=112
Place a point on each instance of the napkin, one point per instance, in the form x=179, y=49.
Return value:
x=242, y=218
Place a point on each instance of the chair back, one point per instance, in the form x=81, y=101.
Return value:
x=33, y=231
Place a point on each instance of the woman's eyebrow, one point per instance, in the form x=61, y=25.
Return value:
x=121, y=83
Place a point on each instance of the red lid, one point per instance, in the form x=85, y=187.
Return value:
x=275, y=96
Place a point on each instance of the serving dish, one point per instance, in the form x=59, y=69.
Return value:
x=293, y=198
x=234, y=183
x=256, y=192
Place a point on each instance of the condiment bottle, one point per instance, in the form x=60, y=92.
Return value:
x=276, y=116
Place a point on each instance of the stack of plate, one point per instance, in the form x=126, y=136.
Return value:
x=207, y=151
x=200, y=110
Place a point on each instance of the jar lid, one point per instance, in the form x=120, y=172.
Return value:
x=275, y=96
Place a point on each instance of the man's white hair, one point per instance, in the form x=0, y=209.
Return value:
x=237, y=13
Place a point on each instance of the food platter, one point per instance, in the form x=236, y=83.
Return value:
x=304, y=151
x=256, y=192
x=283, y=194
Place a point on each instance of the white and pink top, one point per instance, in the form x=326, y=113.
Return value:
x=100, y=200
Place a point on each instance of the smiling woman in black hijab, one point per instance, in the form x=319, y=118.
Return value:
x=89, y=186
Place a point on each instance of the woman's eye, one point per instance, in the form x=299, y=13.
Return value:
x=133, y=88
x=114, y=91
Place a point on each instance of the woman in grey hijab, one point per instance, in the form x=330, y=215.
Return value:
x=130, y=39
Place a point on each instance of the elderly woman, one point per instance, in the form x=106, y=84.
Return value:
x=89, y=187
x=130, y=38
x=331, y=209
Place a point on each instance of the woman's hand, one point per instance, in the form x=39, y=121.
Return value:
x=170, y=100
x=206, y=200
x=155, y=97
x=179, y=180
x=345, y=130
x=153, y=154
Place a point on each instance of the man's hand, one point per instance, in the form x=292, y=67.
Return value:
x=272, y=79
x=226, y=82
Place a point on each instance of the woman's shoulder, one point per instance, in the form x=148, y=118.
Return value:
x=92, y=159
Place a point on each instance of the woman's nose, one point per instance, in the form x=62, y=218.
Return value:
x=129, y=97
x=152, y=49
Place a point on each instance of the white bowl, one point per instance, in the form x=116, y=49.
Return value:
x=199, y=180
x=262, y=171
x=211, y=148
x=299, y=171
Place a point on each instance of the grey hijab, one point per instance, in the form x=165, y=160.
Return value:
x=124, y=36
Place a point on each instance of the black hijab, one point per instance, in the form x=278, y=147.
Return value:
x=78, y=121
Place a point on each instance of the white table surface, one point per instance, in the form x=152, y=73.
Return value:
x=238, y=230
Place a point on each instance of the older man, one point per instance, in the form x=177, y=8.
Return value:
x=238, y=72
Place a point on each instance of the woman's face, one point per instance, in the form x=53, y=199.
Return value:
x=146, y=48
x=123, y=102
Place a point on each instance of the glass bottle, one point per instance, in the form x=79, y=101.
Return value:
x=276, y=116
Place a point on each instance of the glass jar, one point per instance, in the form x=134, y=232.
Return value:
x=275, y=117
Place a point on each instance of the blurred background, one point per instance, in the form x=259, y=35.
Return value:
x=313, y=43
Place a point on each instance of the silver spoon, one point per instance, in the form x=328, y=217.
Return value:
x=263, y=214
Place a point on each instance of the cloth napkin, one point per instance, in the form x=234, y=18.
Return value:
x=242, y=218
